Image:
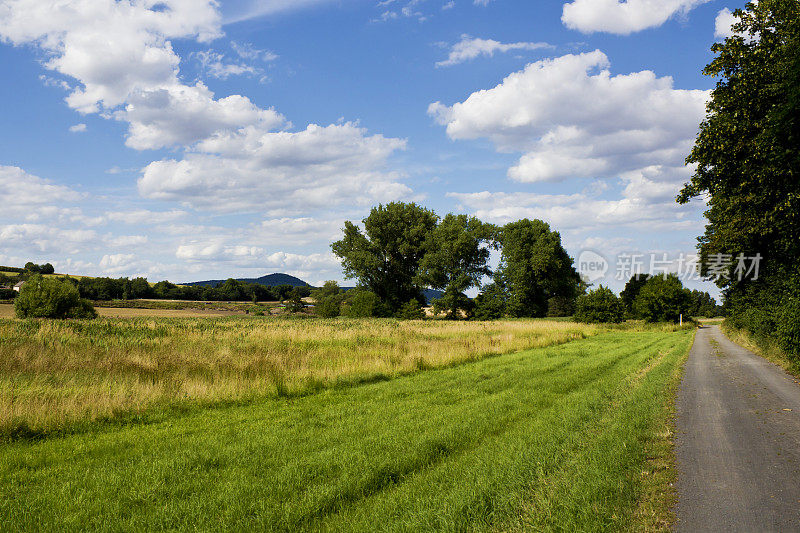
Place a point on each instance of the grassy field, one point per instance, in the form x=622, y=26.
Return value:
x=56, y=375
x=573, y=436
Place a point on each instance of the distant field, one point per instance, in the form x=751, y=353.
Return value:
x=570, y=437
x=54, y=375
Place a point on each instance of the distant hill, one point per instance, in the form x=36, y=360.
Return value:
x=270, y=280
x=273, y=280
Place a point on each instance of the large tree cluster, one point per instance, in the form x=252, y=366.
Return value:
x=405, y=248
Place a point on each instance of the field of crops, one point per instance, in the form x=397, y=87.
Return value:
x=569, y=430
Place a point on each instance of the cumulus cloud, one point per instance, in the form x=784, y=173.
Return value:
x=470, y=48
x=78, y=128
x=723, y=24
x=237, y=154
x=254, y=170
x=571, y=118
x=623, y=17
x=28, y=192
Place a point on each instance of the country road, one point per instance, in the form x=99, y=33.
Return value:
x=738, y=441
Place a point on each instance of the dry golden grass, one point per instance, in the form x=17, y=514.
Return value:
x=7, y=311
x=56, y=373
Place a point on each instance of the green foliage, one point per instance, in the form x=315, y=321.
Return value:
x=491, y=303
x=328, y=306
x=7, y=294
x=51, y=298
x=599, y=306
x=560, y=306
x=33, y=268
x=748, y=165
x=295, y=304
x=386, y=257
x=663, y=299
x=411, y=310
x=361, y=303
x=631, y=291
x=534, y=268
x=457, y=252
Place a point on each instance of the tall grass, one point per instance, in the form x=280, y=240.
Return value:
x=54, y=374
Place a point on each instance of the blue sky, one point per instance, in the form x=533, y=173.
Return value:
x=190, y=139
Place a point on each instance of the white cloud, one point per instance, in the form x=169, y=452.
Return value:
x=723, y=24
x=217, y=66
x=25, y=191
x=126, y=241
x=470, y=48
x=183, y=115
x=78, y=128
x=482, y=2
x=46, y=239
x=572, y=119
x=255, y=170
x=145, y=217
x=623, y=17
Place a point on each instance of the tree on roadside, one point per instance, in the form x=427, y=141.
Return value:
x=663, y=299
x=748, y=166
x=534, y=267
x=385, y=258
x=457, y=253
x=51, y=298
x=599, y=306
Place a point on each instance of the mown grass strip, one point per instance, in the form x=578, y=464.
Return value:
x=553, y=438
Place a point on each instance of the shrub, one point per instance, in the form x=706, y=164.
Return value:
x=599, y=306
x=663, y=299
x=491, y=303
x=788, y=328
x=328, y=306
x=51, y=298
x=411, y=310
x=363, y=304
x=7, y=294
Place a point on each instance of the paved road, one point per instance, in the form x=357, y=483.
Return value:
x=738, y=441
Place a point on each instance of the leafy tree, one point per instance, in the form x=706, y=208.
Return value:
x=32, y=267
x=328, y=300
x=51, y=298
x=359, y=303
x=599, y=306
x=47, y=268
x=748, y=163
x=631, y=291
x=663, y=299
x=385, y=258
x=491, y=303
x=411, y=310
x=295, y=303
x=140, y=288
x=456, y=258
x=534, y=267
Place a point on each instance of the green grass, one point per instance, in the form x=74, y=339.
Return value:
x=552, y=439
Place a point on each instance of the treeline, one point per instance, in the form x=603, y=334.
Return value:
x=748, y=171
x=99, y=289
x=651, y=298
x=104, y=289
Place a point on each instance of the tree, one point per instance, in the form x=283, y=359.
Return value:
x=457, y=252
x=47, y=268
x=631, y=291
x=295, y=303
x=385, y=258
x=411, y=310
x=32, y=267
x=328, y=300
x=534, y=267
x=51, y=298
x=599, y=306
x=359, y=303
x=663, y=299
x=748, y=165
x=491, y=302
